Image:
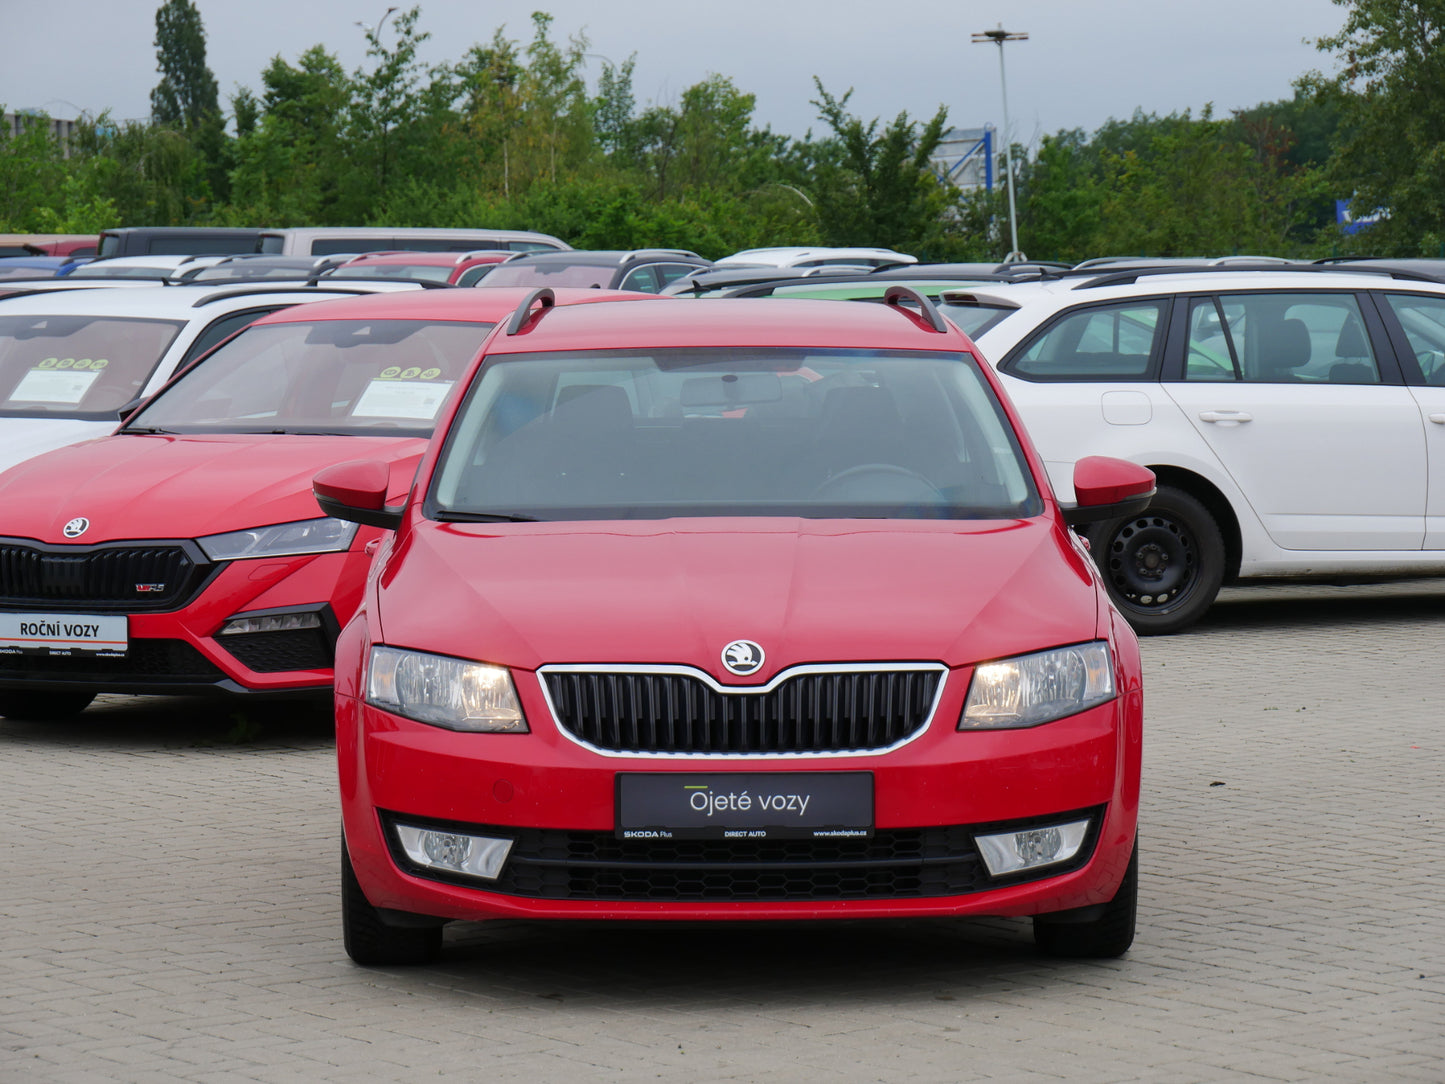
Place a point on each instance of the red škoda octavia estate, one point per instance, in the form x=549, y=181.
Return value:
x=737, y=610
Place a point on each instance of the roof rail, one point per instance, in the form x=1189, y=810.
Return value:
x=260, y=291
x=523, y=311
x=897, y=295
x=1094, y=279
x=635, y=253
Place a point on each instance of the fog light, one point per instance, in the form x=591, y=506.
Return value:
x=1009, y=852
x=453, y=852
x=270, y=623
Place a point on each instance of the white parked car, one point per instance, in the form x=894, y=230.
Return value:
x=71, y=359
x=1295, y=420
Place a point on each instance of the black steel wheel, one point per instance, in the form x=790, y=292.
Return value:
x=1096, y=932
x=43, y=705
x=372, y=942
x=1163, y=567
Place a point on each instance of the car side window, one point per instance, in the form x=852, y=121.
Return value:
x=218, y=330
x=1210, y=353
x=671, y=272
x=643, y=279
x=1105, y=342
x=1300, y=338
x=1423, y=321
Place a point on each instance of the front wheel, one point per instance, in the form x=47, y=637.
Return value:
x=43, y=706
x=1163, y=568
x=1106, y=932
x=369, y=940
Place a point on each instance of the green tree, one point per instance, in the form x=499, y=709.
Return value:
x=187, y=93
x=882, y=189
x=32, y=169
x=292, y=167
x=1391, y=93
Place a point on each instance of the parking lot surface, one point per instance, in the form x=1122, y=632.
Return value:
x=170, y=908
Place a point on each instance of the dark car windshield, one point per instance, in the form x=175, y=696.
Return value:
x=77, y=366
x=330, y=376
x=582, y=275
x=973, y=318
x=428, y=271
x=711, y=432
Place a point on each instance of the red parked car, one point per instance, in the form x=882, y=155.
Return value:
x=184, y=553
x=750, y=610
x=456, y=268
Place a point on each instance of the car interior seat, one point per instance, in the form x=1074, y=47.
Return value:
x=1282, y=347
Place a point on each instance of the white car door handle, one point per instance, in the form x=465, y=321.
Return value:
x=1438, y=419
x=1225, y=416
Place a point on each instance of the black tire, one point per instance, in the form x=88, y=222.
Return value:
x=372, y=942
x=1163, y=568
x=43, y=705
x=1104, y=935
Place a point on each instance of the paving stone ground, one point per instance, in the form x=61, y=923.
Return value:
x=169, y=911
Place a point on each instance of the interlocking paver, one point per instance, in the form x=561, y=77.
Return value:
x=169, y=909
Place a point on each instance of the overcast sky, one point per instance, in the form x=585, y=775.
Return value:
x=1083, y=63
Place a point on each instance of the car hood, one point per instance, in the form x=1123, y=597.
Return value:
x=24, y=438
x=183, y=486
x=678, y=591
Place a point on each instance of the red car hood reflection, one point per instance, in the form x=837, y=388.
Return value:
x=678, y=591
x=183, y=487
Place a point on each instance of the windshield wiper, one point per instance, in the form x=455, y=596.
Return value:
x=144, y=430
x=485, y=517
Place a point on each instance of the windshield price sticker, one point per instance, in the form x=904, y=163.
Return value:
x=63, y=634
x=412, y=392
x=41, y=385
x=745, y=805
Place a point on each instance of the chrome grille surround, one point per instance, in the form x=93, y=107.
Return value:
x=928, y=678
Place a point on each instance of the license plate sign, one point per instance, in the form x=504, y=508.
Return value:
x=745, y=805
x=64, y=634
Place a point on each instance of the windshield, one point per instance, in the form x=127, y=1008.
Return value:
x=105, y=270
x=427, y=271
x=77, y=366
x=835, y=434
x=973, y=319
x=330, y=376
x=582, y=275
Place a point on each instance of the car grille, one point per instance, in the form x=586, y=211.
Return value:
x=120, y=576
x=843, y=710
x=144, y=660
x=276, y=652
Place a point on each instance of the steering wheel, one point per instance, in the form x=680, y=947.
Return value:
x=881, y=481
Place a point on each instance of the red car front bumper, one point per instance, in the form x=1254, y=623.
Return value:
x=556, y=800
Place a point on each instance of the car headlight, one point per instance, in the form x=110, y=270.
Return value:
x=446, y=692
x=281, y=540
x=1031, y=689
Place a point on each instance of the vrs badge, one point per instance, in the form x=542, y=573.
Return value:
x=76, y=527
x=742, y=657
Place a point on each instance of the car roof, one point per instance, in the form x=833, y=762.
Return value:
x=784, y=256
x=1114, y=282
x=596, y=257
x=167, y=302
x=728, y=322
x=482, y=306
x=431, y=258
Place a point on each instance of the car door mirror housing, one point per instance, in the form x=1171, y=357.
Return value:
x=1108, y=488
x=356, y=492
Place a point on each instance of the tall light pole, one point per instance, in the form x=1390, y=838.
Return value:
x=998, y=36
